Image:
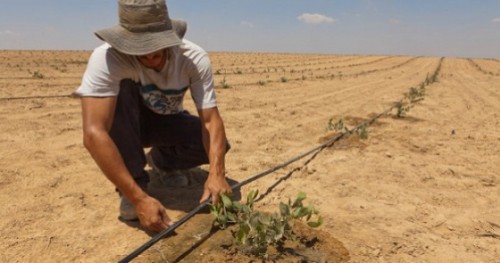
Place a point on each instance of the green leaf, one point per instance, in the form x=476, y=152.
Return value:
x=214, y=211
x=245, y=210
x=301, y=212
x=298, y=201
x=318, y=223
x=226, y=201
x=231, y=217
x=265, y=218
x=222, y=220
x=237, y=206
x=251, y=197
x=242, y=234
x=254, y=221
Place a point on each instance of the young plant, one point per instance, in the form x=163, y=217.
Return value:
x=258, y=230
x=37, y=75
x=224, y=83
x=402, y=108
x=362, y=132
x=415, y=95
x=338, y=126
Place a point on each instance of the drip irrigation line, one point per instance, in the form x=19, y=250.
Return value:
x=193, y=212
x=37, y=97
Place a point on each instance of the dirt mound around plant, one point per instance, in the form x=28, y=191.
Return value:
x=196, y=241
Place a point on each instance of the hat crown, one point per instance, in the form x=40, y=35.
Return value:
x=145, y=27
x=144, y=15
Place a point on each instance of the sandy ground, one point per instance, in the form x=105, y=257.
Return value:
x=423, y=188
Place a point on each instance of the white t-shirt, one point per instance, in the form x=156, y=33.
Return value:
x=188, y=67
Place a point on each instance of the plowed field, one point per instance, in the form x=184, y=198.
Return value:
x=421, y=188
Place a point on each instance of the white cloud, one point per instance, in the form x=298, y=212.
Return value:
x=315, y=18
x=246, y=24
x=496, y=20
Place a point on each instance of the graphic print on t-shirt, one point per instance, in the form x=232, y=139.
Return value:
x=163, y=101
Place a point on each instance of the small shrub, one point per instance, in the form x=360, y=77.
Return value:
x=401, y=108
x=338, y=125
x=415, y=95
x=224, y=83
x=362, y=132
x=258, y=230
x=37, y=75
x=261, y=82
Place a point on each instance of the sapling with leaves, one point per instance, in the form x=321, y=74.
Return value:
x=415, y=95
x=362, y=131
x=338, y=125
x=257, y=230
x=411, y=97
x=402, y=108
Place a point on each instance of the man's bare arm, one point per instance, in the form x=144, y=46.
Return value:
x=98, y=116
x=214, y=140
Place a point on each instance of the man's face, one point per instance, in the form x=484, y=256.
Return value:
x=154, y=60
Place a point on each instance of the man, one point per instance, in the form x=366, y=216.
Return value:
x=132, y=93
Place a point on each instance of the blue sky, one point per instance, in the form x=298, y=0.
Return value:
x=451, y=28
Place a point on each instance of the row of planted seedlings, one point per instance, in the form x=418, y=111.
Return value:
x=224, y=81
x=43, y=64
x=410, y=98
x=301, y=68
x=248, y=63
x=294, y=66
x=256, y=231
x=282, y=73
x=483, y=70
x=29, y=74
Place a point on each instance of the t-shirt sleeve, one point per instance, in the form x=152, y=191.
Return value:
x=105, y=70
x=202, y=83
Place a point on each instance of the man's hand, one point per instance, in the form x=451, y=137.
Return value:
x=214, y=186
x=152, y=214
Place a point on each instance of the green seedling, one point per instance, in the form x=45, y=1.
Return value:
x=38, y=75
x=362, y=132
x=224, y=83
x=402, y=108
x=415, y=95
x=337, y=126
x=257, y=230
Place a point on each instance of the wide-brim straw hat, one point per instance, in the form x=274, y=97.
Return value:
x=145, y=27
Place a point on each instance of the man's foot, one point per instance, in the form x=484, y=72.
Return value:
x=127, y=210
x=176, y=178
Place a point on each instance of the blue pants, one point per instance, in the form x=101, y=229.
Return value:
x=175, y=140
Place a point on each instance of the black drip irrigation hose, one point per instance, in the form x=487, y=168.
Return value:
x=193, y=212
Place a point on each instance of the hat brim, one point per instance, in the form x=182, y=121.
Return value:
x=137, y=44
